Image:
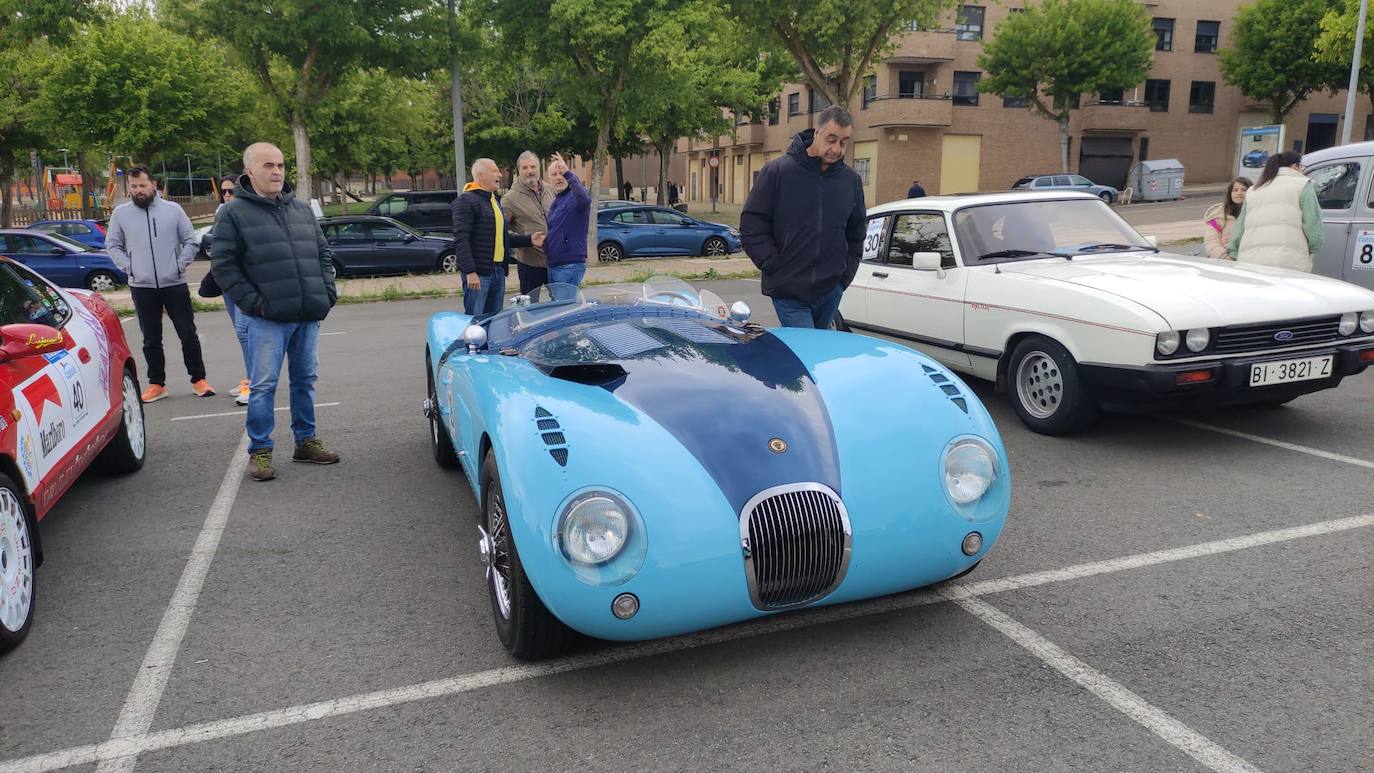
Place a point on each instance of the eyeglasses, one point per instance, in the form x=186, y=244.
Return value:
x=227, y=191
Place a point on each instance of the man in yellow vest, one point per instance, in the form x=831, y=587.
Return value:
x=481, y=241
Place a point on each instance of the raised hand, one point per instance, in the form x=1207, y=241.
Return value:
x=557, y=165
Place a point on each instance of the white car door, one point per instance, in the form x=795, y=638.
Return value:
x=926, y=307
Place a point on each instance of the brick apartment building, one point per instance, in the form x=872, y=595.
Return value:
x=921, y=116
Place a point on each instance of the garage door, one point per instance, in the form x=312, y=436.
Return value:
x=1106, y=160
x=960, y=156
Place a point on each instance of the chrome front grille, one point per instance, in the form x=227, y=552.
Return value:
x=796, y=542
x=1255, y=338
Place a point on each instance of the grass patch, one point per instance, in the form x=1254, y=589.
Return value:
x=1189, y=240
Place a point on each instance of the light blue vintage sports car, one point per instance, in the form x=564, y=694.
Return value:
x=648, y=463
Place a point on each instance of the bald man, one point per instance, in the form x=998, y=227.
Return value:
x=482, y=240
x=272, y=261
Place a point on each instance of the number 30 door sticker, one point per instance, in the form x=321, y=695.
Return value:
x=1364, y=251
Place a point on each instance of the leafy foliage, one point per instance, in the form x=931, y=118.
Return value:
x=1272, y=53
x=1336, y=44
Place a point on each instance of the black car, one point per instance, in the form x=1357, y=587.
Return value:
x=421, y=210
x=364, y=245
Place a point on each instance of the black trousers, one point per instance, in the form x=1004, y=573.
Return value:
x=531, y=277
x=149, y=303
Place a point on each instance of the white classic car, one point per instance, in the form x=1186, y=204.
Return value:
x=1064, y=305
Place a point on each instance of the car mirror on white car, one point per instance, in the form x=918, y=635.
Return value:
x=928, y=261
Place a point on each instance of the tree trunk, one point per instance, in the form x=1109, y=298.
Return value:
x=603, y=140
x=1064, y=141
x=85, y=186
x=619, y=177
x=302, y=140
x=663, y=149
x=6, y=180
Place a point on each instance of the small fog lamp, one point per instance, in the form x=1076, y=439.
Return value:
x=973, y=542
x=625, y=606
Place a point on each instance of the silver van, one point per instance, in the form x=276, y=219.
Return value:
x=1344, y=179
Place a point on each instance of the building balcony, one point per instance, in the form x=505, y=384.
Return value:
x=750, y=134
x=1115, y=116
x=925, y=47
x=898, y=111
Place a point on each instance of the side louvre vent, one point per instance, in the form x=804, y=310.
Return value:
x=553, y=437
x=951, y=391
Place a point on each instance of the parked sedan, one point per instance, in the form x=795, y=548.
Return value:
x=639, y=231
x=88, y=232
x=367, y=245
x=1067, y=182
x=1064, y=305
x=60, y=259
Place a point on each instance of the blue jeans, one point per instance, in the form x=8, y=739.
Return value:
x=489, y=298
x=236, y=318
x=817, y=313
x=270, y=342
x=568, y=273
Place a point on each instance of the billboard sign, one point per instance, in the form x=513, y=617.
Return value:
x=1257, y=144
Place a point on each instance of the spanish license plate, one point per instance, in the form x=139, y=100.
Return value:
x=1284, y=371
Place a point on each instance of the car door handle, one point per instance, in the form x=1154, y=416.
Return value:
x=880, y=274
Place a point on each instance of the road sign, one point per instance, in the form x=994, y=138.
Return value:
x=714, y=161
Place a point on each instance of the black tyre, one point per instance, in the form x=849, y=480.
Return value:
x=129, y=447
x=1106, y=197
x=18, y=562
x=525, y=626
x=102, y=281
x=448, y=263
x=837, y=323
x=1046, y=389
x=715, y=247
x=439, y=442
x=966, y=571
x=338, y=269
x=610, y=252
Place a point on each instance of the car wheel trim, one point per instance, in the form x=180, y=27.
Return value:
x=102, y=283
x=449, y=264
x=610, y=253
x=715, y=246
x=16, y=563
x=495, y=550
x=1039, y=384
x=133, y=417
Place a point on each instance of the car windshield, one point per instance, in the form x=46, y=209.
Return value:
x=71, y=244
x=554, y=301
x=1030, y=230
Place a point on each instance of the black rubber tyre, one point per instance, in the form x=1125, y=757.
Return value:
x=837, y=323
x=609, y=252
x=525, y=626
x=128, y=449
x=439, y=442
x=448, y=264
x=966, y=571
x=1106, y=197
x=715, y=247
x=1046, y=389
x=102, y=281
x=18, y=562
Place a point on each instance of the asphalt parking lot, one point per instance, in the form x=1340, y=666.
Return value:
x=1178, y=593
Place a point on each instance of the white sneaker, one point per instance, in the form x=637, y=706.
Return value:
x=241, y=399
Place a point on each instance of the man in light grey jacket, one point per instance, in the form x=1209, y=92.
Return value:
x=152, y=240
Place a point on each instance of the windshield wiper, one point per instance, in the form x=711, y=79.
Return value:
x=1023, y=254
x=1102, y=246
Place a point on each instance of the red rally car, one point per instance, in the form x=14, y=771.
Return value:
x=69, y=401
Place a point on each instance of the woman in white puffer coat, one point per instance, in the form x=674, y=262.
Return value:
x=1281, y=222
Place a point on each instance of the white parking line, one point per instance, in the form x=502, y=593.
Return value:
x=336, y=333
x=1189, y=741
x=239, y=413
x=439, y=688
x=1277, y=443
x=146, y=693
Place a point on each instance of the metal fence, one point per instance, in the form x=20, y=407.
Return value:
x=23, y=216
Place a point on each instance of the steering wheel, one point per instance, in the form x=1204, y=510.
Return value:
x=675, y=298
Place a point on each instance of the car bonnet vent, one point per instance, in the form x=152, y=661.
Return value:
x=946, y=385
x=692, y=330
x=622, y=339
x=550, y=431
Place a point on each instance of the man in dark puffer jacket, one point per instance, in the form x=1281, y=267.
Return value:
x=273, y=263
x=481, y=240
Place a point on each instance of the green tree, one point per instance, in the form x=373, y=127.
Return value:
x=1055, y=51
x=299, y=49
x=836, y=43
x=367, y=119
x=1336, y=47
x=1272, y=56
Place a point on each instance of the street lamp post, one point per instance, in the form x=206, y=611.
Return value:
x=64, y=159
x=190, y=186
x=1354, y=73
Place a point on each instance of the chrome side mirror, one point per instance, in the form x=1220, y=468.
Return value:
x=522, y=300
x=475, y=337
x=740, y=312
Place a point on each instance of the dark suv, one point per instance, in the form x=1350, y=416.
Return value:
x=421, y=210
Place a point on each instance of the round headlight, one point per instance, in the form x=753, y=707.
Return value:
x=1166, y=343
x=594, y=528
x=1197, y=339
x=1349, y=321
x=970, y=470
x=1367, y=321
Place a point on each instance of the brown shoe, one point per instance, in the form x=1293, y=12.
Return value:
x=260, y=466
x=202, y=388
x=313, y=451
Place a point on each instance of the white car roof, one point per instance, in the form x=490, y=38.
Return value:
x=951, y=203
x=1353, y=150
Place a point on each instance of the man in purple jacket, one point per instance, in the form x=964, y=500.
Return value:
x=565, y=246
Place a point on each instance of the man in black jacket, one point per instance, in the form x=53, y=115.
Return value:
x=273, y=263
x=803, y=223
x=481, y=240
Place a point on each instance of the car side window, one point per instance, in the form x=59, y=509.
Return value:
x=920, y=232
x=48, y=228
x=1062, y=181
x=388, y=233
x=633, y=217
x=663, y=217
x=26, y=298
x=1336, y=184
x=17, y=243
x=392, y=206
x=352, y=231
x=1079, y=180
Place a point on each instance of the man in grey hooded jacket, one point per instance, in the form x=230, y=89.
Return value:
x=151, y=240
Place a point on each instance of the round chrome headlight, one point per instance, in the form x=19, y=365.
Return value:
x=970, y=470
x=1367, y=321
x=1197, y=339
x=1349, y=321
x=594, y=528
x=1166, y=343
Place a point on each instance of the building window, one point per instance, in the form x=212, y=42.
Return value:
x=870, y=89
x=1157, y=95
x=1011, y=101
x=1073, y=102
x=1208, y=33
x=774, y=105
x=969, y=24
x=910, y=83
x=1144, y=148
x=862, y=166
x=1111, y=97
x=1202, y=96
x=966, y=88
x=793, y=104
x=816, y=102
x=1164, y=34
